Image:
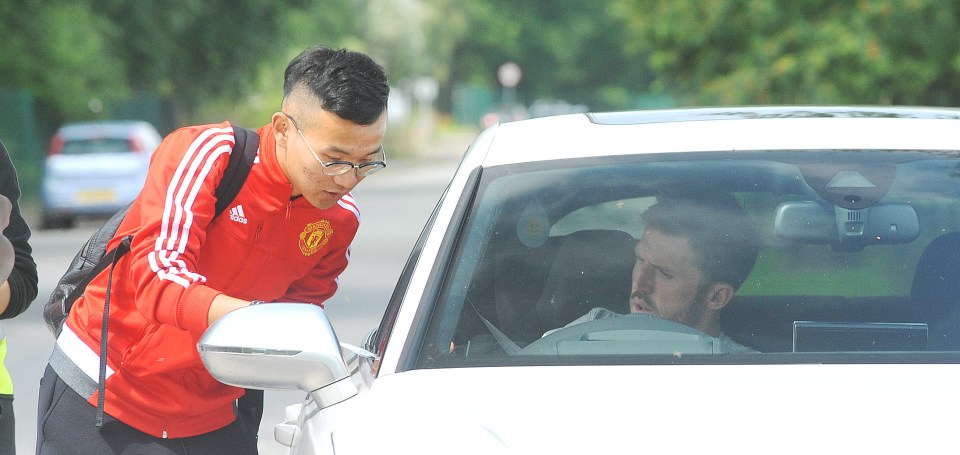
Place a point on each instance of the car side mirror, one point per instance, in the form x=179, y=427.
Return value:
x=278, y=346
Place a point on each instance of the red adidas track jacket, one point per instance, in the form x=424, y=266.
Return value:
x=264, y=246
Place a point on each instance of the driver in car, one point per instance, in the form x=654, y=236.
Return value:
x=696, y=250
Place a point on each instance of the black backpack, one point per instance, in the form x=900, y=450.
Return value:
x=93, y=257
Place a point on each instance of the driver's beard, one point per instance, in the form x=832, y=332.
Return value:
x=693, y=315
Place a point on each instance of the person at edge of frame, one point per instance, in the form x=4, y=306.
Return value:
x=18, y=273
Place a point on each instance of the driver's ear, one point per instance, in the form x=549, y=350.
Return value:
x=719, y=295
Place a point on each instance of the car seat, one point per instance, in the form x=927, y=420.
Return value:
x=592, y=269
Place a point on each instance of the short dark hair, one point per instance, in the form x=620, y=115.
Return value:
x=720, y=233
x=346, y=83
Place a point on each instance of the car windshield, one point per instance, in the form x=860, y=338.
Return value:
x=856, y=260
x=98, y=145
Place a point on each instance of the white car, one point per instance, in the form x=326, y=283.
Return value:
x=850, y=316
x=93, y=169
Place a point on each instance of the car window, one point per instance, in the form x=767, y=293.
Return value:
x=99, y=145
x=543, y=270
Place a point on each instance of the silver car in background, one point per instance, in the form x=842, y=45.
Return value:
x=852, y=309
x=93, y=169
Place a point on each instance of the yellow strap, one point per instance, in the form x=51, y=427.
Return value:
x=6, y=382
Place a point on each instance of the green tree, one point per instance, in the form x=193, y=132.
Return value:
x=259, y=92
x=568, y=49
x=59, y=51
x=76, y=56
x=197, y=50
x=811, y=51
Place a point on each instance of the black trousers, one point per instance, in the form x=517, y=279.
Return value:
x=8, y=433
x=66, y=425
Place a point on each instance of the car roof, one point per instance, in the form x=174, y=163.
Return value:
x=719, y=129
x=743, y=112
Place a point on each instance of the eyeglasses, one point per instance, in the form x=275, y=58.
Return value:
x=335, y=168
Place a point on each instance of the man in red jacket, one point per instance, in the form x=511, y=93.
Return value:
x=286, y=237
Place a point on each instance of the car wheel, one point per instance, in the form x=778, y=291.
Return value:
x=56, y=222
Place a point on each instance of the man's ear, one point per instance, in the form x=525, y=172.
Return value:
x=281, y=129
x=719, y=295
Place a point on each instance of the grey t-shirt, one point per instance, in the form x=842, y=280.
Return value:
x=727, y=345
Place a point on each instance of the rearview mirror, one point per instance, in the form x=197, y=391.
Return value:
x=278, y=346
x=843, y=229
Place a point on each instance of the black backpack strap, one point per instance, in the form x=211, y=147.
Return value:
x=247, y=142
x=114, y=257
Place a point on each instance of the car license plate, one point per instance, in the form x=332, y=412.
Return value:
x=100, y=196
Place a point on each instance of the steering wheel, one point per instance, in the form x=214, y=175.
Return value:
x=639, y=333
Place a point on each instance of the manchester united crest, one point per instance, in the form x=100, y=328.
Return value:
x=315, y=236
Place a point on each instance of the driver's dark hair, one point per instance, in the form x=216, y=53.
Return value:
x=347, y=83
x=720, y=233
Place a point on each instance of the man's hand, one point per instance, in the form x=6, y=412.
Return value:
x=223, y=304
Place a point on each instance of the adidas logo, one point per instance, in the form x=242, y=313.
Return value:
x=236, y=214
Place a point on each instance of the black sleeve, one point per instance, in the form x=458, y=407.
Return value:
x=23, y=278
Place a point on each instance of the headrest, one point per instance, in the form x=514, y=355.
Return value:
x=937, y=278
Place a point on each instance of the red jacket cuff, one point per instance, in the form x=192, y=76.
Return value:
x=194, y=308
